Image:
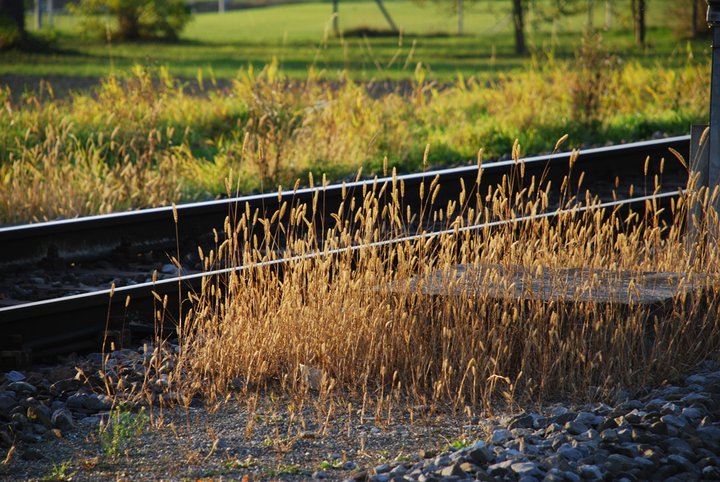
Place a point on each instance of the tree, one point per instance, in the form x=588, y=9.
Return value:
x=546, y=11
x=519, y=7
x=12, y=23
x=691, y=18
x=135, y=19
x=638, y=12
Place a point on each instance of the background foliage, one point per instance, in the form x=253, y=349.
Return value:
x=133, y=19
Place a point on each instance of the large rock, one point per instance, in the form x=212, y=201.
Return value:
x=524, y=420
x=500, y=435
x=526, y=469
x=6, y=402
x=452, y=470
x=22, y=388
x=481, y=455
x=62, y=419
x=619, y=464
x=66, y=385
x=98, y=403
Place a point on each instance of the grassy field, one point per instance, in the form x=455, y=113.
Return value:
x=171, y=122
x=144, y=139
x=300, y=35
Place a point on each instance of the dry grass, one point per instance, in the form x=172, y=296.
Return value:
x=359, y=313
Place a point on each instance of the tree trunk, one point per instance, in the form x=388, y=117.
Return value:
x=387, y=15
x=460, y=17
x=38, y=14
x=12, y=14
x=50, y=13
x=518, y=8
x=639, y=21
x=336, y=25
x=128, y=23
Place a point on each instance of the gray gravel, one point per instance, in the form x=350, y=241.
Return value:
x=670, y=433
x=52, y=416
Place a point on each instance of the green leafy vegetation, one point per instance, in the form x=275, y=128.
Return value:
x=300, y=35
x=286, y=470
x=249, y=462
x=119, y=435
x=61, y=472
x=132, y=19
x=459, y=444
x=255, y=98
x=148, y=138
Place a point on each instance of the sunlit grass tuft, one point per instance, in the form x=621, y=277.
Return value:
x=383, y=322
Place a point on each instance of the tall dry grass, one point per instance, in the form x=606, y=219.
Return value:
x=362, y=313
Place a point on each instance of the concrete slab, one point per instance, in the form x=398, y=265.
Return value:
x=559, y=284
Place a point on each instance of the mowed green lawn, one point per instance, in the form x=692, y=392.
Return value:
x=300, y=36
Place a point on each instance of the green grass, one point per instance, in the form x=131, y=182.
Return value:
x=299, y=36
x=143, y=137
x=143, y=140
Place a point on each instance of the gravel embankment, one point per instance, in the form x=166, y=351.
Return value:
x=50, y=419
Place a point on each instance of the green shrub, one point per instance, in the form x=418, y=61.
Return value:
x=134, y=19
x=12, y=24
x=120, y=433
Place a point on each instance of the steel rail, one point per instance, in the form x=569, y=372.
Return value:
x=61, y=325
x=148, y=229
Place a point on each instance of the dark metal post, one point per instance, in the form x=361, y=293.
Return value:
x=713, y=18
x=698, y=179
x=714, y=174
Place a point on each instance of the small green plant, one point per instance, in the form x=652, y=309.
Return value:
x=458, y=444
x=60, y=472
x=119, y=434
x=267, y=419
x=333, y=464
x=285, y=470
x=244, y=464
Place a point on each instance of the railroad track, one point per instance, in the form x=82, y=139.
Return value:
x=66, y=314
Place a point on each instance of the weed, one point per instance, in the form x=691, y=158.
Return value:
x=142, y=140
x=249, y=462
x=119, y=434
x=459, y=444
x=267, y=419
x=333, y=464
x=286, y=470
x=60, y=472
